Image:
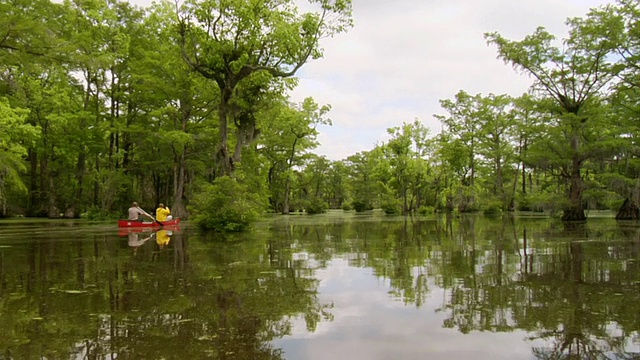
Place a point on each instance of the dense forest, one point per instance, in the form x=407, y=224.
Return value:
x=102, y=103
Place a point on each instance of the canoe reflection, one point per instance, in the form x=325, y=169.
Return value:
x=139, y=236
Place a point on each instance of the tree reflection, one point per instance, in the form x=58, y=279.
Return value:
x=567, y=287
x=573, y=290
x=97, y=298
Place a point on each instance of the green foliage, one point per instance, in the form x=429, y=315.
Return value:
x=227, y=205
x=361, y=206
x=602, y=199
x=460, y=198
x=98, y=213
x=253, y=47
x=570, y=78
x=523, y=203
x=15, y=138
x=391, y=205
x=426, y=210
x=546, y=201
x=316, y=206
x=289, y=133
x=492, y=208
x=361, y=168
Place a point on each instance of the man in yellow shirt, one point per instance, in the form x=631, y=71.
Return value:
x=162, y=212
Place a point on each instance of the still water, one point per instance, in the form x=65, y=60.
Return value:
x=334, y=286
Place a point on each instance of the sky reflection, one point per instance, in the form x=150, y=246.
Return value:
x=370, y=324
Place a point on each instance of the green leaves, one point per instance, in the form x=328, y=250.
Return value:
x=230, y=42
x=574, y=78
x=15, y=138
x=226, y=205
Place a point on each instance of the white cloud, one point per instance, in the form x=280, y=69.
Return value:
x=402, y=57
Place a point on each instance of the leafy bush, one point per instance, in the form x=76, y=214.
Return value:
x=360, y=206
x=550, y=202
x=391, y=206
x=602, y=199
x=316, y=206
x=226, y=205
x=426, y=210
x=97, y=213
x=346, y=206
x=492, y=205
x=523, y=203
x=492, y=210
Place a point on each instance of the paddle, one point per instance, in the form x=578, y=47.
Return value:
x=149, y=215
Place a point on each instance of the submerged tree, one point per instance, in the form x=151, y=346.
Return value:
x=476, y=141
x=405, y=169
x=573, y=77
x=624, y=171
x=290, y=134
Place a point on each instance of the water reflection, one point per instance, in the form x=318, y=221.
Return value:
x=91, y=296
x=135, y=240
x=324, y=287
x=163, y=237
x=573, y=289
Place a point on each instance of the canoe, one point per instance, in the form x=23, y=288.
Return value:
x=146, y=224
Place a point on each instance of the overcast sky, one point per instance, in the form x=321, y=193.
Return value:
x=402, y=57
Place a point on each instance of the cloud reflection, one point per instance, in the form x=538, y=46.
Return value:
x=370, y=324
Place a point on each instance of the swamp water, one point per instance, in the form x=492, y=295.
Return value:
x=333, y=286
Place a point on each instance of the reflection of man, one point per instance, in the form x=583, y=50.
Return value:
x=135, y=241
x=163, y=238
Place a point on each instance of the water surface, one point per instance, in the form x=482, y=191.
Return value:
x=334, y=286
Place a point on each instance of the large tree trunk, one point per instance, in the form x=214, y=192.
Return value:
x=3, y=197
x=628, y=211
x=72, y=210
x=287, y=187
x=499, y=184
x=179, y=210
x=285, y=201
x=96, y=183
x=33, y=205
x=52, y=210
x=405, y=201
x=512, y=196
x=224, y=113
x=575, y=211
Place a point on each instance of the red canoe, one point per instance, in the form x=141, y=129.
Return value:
x=146, y=224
